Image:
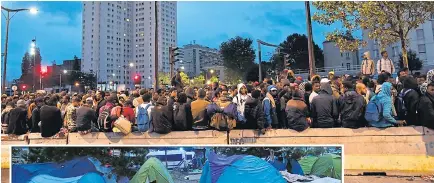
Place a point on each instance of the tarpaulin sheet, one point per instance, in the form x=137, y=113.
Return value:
x=152, y=170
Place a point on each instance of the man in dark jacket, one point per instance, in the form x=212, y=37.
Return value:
x=253, y=112
x=297, y=112
x=351, y=107
x=51, y=119
x=36, y=115
x=324, y=110
x=162, y=115
x=183, y=118
x=18, y=119
x=426, y=107
x=85, y=117
x=411, y=99
x=100, y=101
x=286, y=95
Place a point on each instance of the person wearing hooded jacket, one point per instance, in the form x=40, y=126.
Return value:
x=324, y=109
x=161, y=118
x=351, y=107
x=297, y=112
x=18, y=119
x=384, y=98
x=411, y=99
x=241, y=98
x=253, y=112
x=270, y=107
x=368, y=66
x=426, y=107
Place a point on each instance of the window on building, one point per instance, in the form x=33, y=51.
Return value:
x=421, y=48
x=419, y=33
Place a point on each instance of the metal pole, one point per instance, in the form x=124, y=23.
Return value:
x=259, y=57
x=156, y=48
x=309, y=43
x=171, y=60
x=5, y=54
x=60, y=87
x=34, y=66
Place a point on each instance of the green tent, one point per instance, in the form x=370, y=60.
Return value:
x=152, y=170
x=306, y=163
x=329, y=165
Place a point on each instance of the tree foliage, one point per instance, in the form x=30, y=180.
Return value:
x=119, y=163
x=253, y=73
x=233, y=77
x=184, y=78
x=387, y=21
x=198, y=81
x=75, y=75
x=296, y=45
x=164, y=77
x=414, y=63
x=238, y=55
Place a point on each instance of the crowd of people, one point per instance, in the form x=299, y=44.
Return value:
x=288, y=103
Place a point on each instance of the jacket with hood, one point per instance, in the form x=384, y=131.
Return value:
x=352, y=110
x=282, y=114
x=240, y=99
x=254, y=114
x=17, y=121
x=368, y=66
x=270, y=108
x=411, y=100
x=161, y=118
x=324, y=110
x=384, y=99
x=426, y=110
x=429, y=79
x=296, y=114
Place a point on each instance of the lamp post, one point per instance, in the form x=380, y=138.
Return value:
x=8, y=19
x=33, y=53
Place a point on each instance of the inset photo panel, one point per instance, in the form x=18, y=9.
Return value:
x=177, y=164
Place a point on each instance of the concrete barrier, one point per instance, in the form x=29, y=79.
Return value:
x=394, y=151
x=37, y=139
x=173, y=138
x=14, y=140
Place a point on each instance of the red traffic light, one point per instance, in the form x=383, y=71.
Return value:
x=23, y=87
x=137, y=79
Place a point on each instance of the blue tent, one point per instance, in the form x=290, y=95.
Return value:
x=240, y=169
x=295, y=167
x=278, y=165
x=69, y=171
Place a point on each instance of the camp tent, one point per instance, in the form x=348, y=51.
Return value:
x=152, y=170
x=329, y=165
x=239, y=168
x=76, y=170
x=296, y=167
x=306, y=163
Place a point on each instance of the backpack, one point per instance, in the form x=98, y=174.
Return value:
x=143, y=118
x=104, y=119
x=179, y=117
x=224, y=119
x=123, y=125
x=401, y=110
x=374, y=111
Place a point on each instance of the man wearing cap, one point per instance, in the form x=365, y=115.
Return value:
x=17, y=123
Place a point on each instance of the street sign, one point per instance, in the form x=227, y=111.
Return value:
x=14, y=88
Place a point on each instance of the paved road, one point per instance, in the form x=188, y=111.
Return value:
x=384, y=179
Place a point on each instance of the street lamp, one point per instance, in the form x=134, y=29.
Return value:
x=131, y=64
x=182, y=67
x=8, y=19
x=211, y=71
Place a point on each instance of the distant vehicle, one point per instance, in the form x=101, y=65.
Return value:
x=175, y=158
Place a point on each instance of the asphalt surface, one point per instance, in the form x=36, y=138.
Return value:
x=384, y=179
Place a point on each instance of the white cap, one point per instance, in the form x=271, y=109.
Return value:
x=324, y=80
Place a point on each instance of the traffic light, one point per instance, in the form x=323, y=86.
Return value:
x=137, y=79
x=24, y=87
x=172, y=60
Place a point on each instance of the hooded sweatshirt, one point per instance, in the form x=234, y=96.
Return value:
x=240, y=99
x=270, y=107
x=426, y=110
x=429, y=79
x=410, y=101
x=351, y=109
x=368, y=67
x=324, y=110
x=384, y=99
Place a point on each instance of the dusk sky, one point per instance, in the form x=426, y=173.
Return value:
x=57, y=27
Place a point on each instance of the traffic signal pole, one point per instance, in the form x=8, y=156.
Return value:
x=309, y=42
x=156, y=48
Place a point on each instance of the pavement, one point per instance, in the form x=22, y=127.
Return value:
x=384, y=179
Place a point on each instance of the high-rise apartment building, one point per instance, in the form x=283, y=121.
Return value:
x=119, y=39
x=196, y=58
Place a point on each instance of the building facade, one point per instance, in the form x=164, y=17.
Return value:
x=333, y=57
x=198, y=58
x=119, y=39
x=421, y=41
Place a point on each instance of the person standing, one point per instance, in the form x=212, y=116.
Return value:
x=385, y=64
x=367, y=65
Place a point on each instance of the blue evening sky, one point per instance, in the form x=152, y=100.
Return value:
x=57, y=27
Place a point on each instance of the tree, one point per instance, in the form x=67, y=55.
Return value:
x=164, y=77
x=253, y=73
x=184, y=78
x=61, y=154
x=198, y=81
x=296, y=47
x=88, y=79
x=387, y=21
x=232, y=77
x=238, y=55
x=414, y=63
